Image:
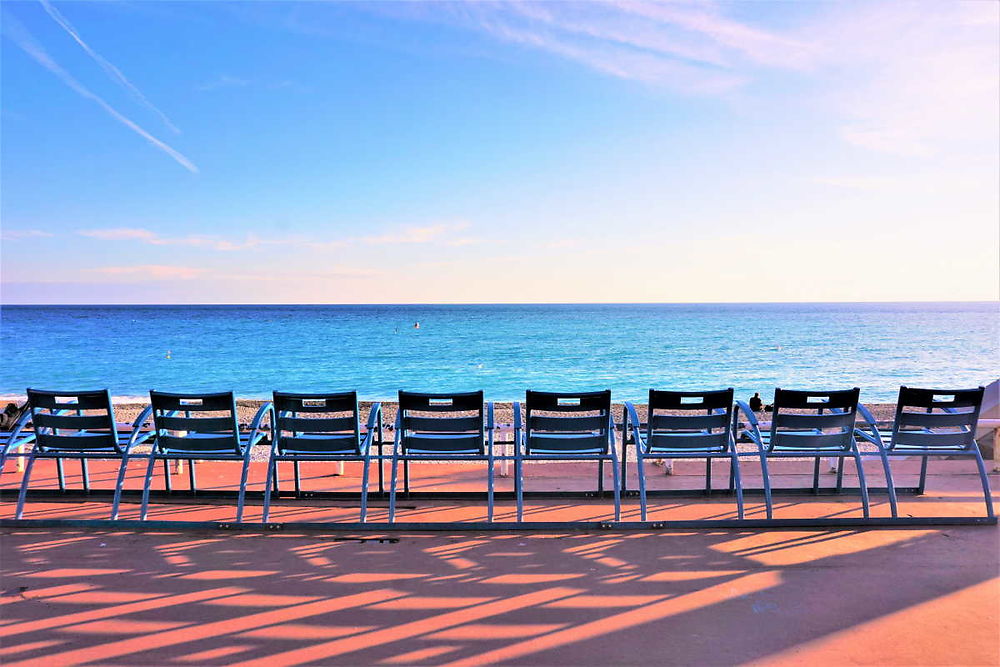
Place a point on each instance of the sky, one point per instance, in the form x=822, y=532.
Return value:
x=224, y=152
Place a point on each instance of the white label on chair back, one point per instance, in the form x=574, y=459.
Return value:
x=943, y=398
x=818, y=399
x=191, y=401
x=313, y=402
x=567, y=401
x=66, y=400
x=692, y=400
x=440, y=401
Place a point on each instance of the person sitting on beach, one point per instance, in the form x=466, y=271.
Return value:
x=755, y=403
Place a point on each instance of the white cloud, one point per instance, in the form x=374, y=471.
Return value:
x=422, y=234
x=152, y=238
x=17, y=234
x=145, y=272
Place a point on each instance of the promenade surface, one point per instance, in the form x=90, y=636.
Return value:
x=923, y=595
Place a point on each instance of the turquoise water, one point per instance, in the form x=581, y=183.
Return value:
x=502, y=349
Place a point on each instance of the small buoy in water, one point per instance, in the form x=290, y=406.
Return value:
x=416, y=325
x=168, y=354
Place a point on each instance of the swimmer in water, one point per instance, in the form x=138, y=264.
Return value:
x=168, y=354
x=416, y=325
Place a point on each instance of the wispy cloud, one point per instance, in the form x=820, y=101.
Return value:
x=145, y=272
x=224, y=81
x=17, y=234
x=108, y=67
x=449, y=234
x=152, y=238
x=20, y=35
x=423, y=234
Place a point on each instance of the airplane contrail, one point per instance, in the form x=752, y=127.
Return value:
x=108, y=67
x=20, y=35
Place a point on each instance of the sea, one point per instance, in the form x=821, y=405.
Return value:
x=501, y=349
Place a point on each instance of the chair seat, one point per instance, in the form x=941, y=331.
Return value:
x=566, y=444
x=315, y=444
x=177, y=446
x=122, y=438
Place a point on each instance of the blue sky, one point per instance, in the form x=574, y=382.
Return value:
x=494, y=152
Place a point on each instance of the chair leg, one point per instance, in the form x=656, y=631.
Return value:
x=392, y=484
x=641, y=469
x=241, y=498
x=734, y=474
x=519, y=482
x=406, y=477
x=889, y=484
x=490, y=474
x=116, y=503
x=364, y=487
x=840, y=474
x=816, y=476
x=167, y=483
x=192, y=479
x=865, y=507
x=146, y=483
x=24, y=484
x=85, y=474
x=61, y=475
x=766, y=477
x=923, y=476
x=624, y=463
x=600, y=478
x=618, y=485
x=271, y=465
x=984, y=478
x=708, y=475
x=298, y=479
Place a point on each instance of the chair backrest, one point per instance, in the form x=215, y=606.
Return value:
x=690, y=420
x=317, y=423
x=196, y=423
x=568, y=423
x=73, y=420
x=429, y=423
x=936, y=418
x=814, y=420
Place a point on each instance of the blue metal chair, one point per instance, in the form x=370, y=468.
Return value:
x=321, y=427
x=814, y=424
x=565, y=427
x=201, y=427
x=708, y=435
x=427, y=429
x=76, y=425
x=931, y=422
x=16, y=437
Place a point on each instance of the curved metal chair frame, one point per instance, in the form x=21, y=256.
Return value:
x=62, y=431
x=693, y=436
x=15, y=438
x=427, y=437
x=566, y=437
x=827, y=431
x=931, y=422
x=179, y=436
x=321, y=438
